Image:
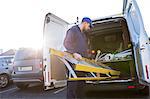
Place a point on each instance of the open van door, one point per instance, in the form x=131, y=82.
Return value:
x=54, y=34
x=139, y=39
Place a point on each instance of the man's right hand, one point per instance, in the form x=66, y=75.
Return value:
x=77, y=56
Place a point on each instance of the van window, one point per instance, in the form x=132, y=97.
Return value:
x=28, y=54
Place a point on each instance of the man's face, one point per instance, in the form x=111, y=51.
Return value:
x=86, y=26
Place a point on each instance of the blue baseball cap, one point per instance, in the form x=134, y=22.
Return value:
x=88, y=20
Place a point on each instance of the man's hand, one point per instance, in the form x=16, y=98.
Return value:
x=77, y=56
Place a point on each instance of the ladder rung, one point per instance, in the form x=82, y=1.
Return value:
x=92, y=78
x=87, y=68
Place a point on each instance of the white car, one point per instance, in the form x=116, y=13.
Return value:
x=6, y=69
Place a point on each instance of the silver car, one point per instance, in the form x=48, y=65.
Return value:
x=27, y=67
x=5, y=70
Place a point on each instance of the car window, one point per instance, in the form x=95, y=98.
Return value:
x=5, y=61
x=28, y=54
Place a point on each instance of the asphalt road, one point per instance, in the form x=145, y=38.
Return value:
x=36, y=92
x=33, y=92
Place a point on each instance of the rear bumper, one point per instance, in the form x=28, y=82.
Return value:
x=109, y=87
x=27, y=77
x=27, y=80
x=113, y=86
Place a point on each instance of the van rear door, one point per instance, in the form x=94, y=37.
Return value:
x=54, y=34
x=139, y=39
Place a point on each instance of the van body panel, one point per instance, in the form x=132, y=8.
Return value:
x=54, y=33
x=139, y=40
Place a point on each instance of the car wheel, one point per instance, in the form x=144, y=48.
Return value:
x=4, y=81
x=22, y=85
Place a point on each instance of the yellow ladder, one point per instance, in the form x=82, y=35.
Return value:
x=85, y=65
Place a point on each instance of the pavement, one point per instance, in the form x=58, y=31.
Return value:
x=37, y=92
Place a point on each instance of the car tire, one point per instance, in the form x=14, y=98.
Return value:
x=4, y=80
x=22, y=85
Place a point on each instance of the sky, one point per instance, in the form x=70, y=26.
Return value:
x=22, y=21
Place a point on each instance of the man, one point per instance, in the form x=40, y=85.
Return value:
x=77, y=44
x=76, y=40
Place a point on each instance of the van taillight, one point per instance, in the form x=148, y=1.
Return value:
x=131, y=87
x=147, y=74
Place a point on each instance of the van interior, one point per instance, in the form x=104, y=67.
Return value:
x=111, y=37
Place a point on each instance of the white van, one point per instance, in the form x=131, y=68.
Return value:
x=111, y=35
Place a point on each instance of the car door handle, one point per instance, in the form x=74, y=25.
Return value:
x=6, y=68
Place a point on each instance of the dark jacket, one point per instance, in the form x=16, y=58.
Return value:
x=76, y=41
